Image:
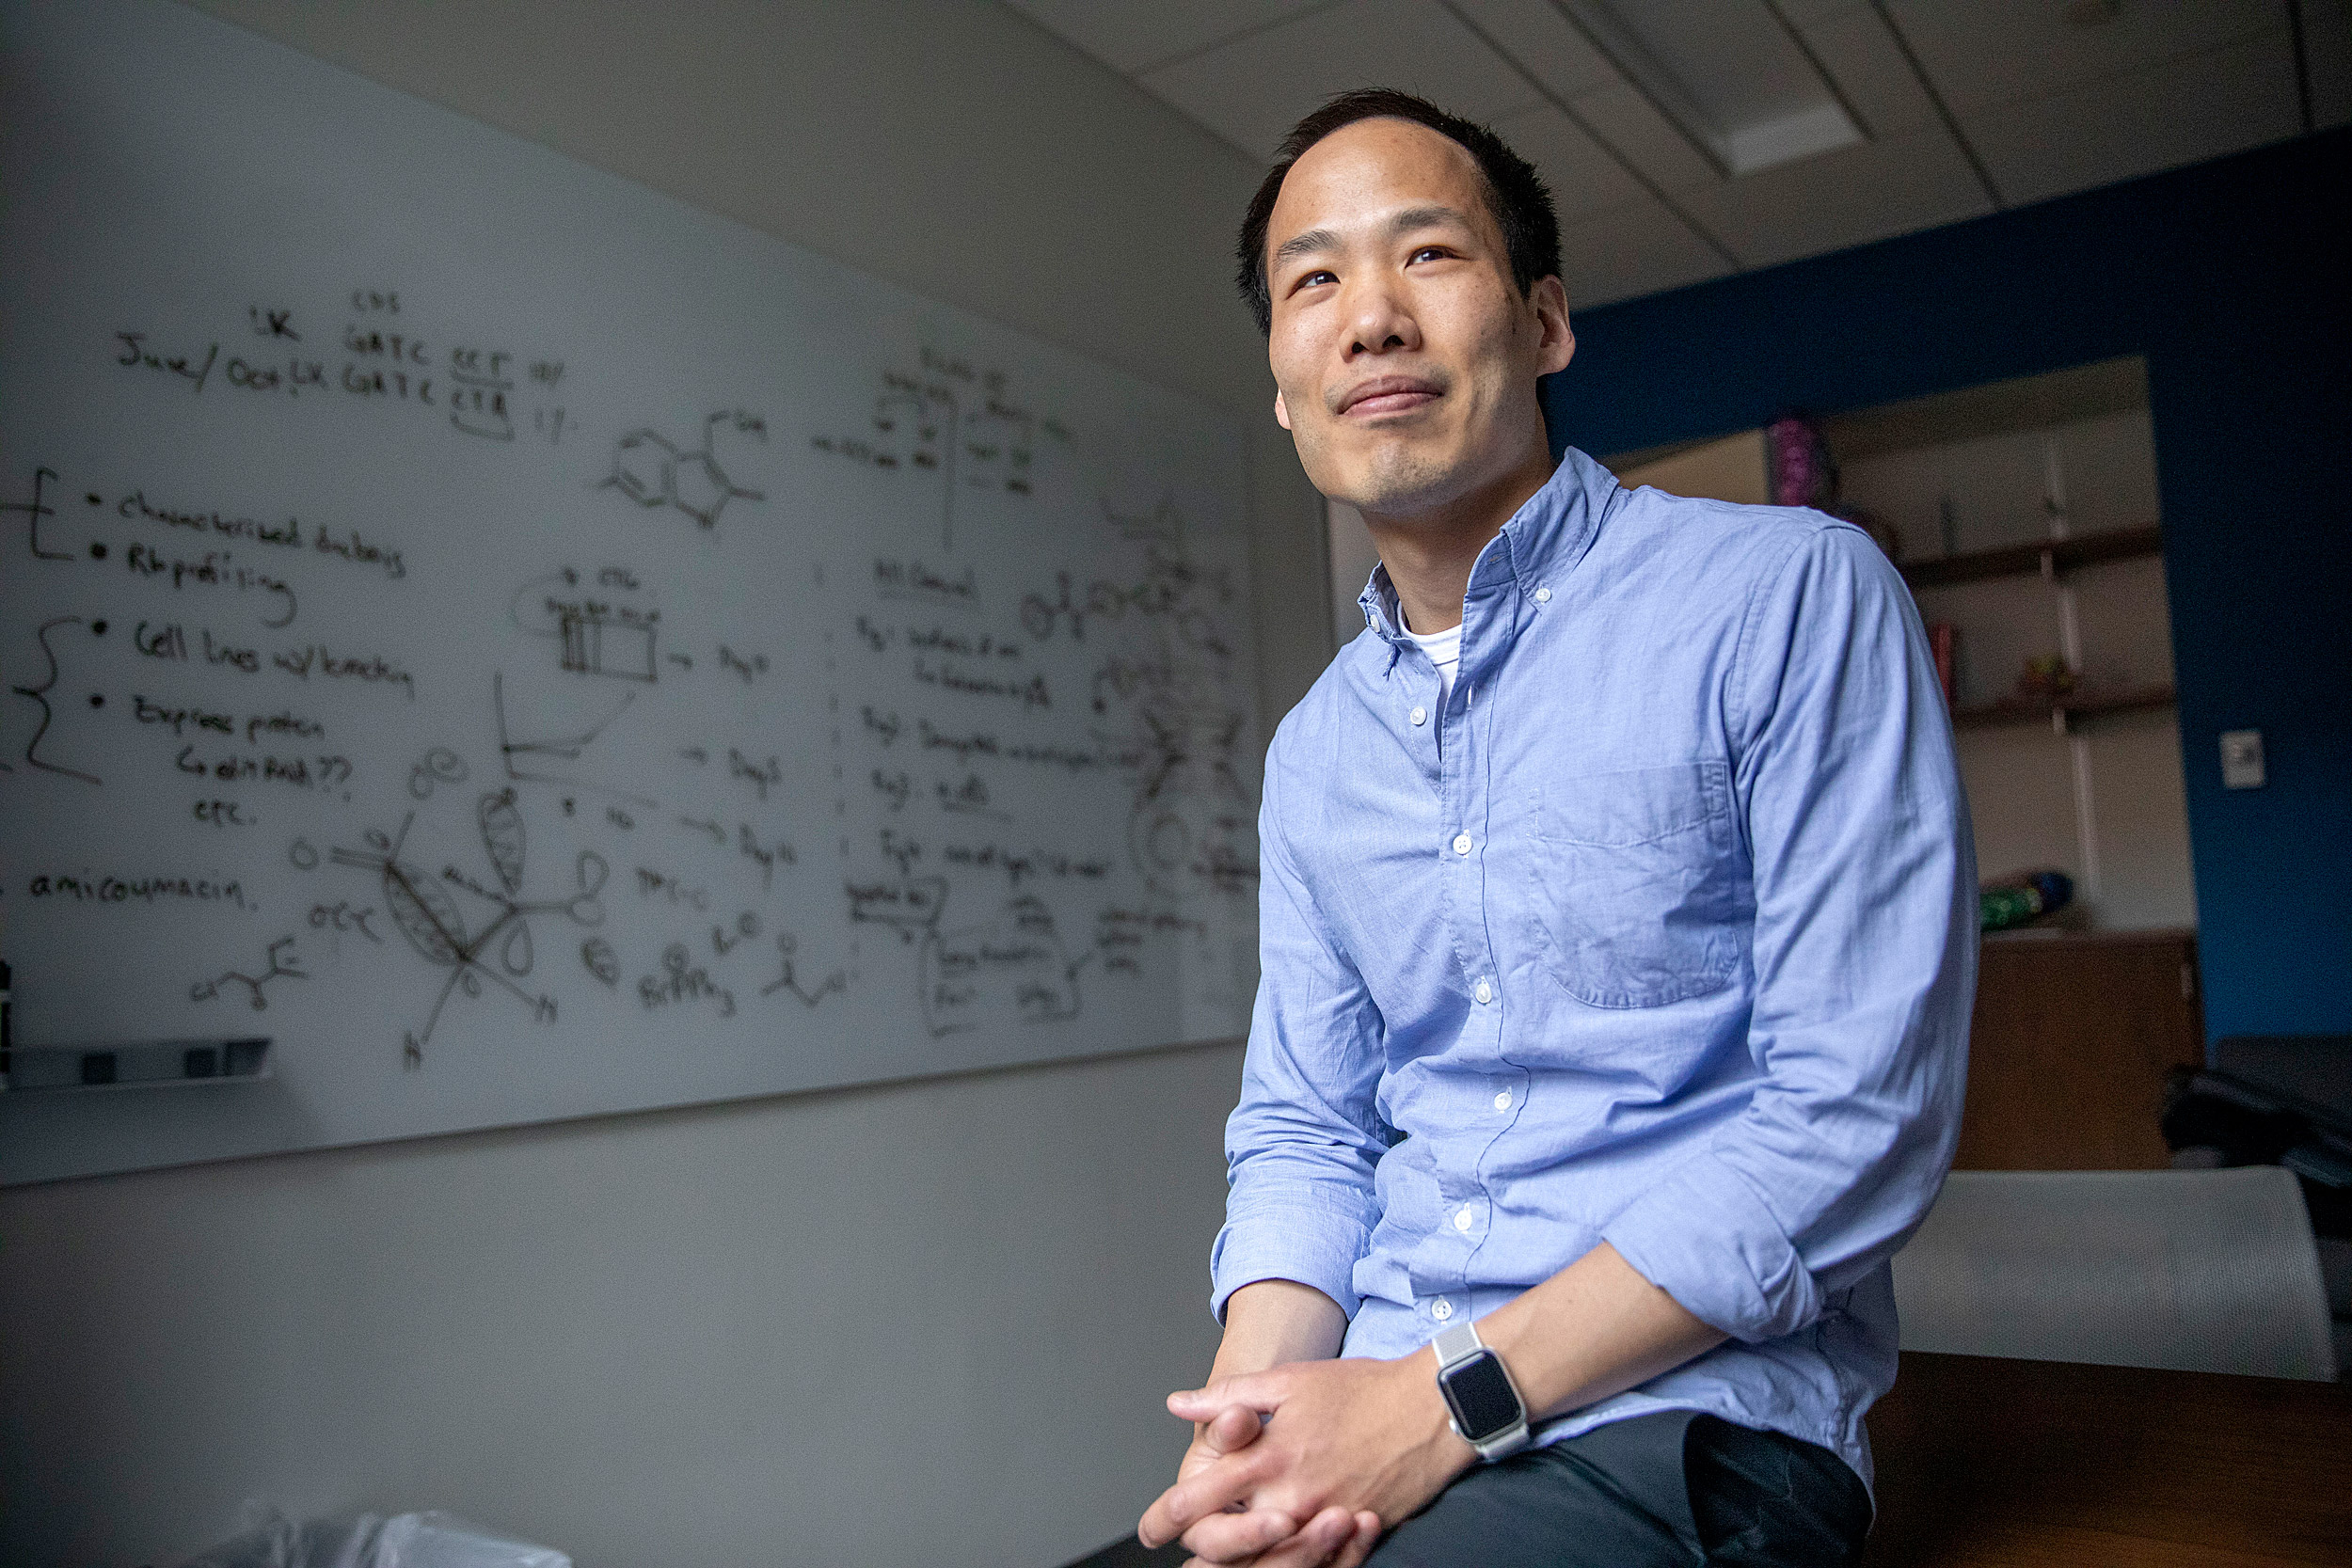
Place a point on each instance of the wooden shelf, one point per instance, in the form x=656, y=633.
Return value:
x=2036, y=560
x=2046, y=710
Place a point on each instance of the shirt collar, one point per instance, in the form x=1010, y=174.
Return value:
x=1542, y=543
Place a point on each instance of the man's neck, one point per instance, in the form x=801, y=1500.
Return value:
x=1429, y=554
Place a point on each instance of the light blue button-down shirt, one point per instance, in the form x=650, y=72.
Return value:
x=1659, y=929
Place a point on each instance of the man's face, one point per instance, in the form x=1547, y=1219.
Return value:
x=1403, y=356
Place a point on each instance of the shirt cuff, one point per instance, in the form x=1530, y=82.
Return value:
x=1288, y=1240
x=1706, y=1238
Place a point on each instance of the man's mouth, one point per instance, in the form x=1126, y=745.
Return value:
x=1388, y=394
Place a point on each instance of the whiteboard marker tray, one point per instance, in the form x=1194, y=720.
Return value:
x=153, y=1065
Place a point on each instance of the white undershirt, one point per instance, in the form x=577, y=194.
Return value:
x=1444, y=649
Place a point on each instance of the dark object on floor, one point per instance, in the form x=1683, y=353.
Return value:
x=2273, y=1100
x=1992, y=1464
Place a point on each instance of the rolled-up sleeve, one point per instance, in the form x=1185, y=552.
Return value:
x=1301, y=1145
x=1863, y=952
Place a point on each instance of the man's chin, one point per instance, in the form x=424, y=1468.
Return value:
x=1401, y=491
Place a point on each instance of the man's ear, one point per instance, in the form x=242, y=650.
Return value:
x=1557, y=345
x=1282, y=411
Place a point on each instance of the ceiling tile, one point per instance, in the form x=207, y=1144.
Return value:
x=1846, y=198
x=1136, y=35
x=2328, y=50
x=1857, y=50
x=1539, y=38
x=1628, y=121
x=1980, y=53
x=1254, y=90
x=2179, y=113
x=1585, y=180
x=1635, y=250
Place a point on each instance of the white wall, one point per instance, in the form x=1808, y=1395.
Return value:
x=909, y=1325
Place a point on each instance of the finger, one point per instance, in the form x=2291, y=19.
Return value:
x=1224, y=1484
x=1231, y=1538
x=1232, y=1428
x=1360, y=1544
x=1317, y=1544
x=1226, y=1538
x=1260, y=1391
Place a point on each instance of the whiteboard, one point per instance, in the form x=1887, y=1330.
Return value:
x=533, y=649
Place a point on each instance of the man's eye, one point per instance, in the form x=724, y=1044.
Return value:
x=1431, y=253
x=1316, y=279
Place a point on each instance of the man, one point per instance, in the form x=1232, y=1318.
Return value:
x=1618, y=932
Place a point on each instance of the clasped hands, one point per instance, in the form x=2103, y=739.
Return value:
x=1305, y=1465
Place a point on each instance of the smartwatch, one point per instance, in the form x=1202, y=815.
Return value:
x=1487, y=1412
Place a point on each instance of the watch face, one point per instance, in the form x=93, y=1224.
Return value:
x=1482, y=1398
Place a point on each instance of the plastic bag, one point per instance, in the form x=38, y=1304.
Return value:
x=436, y=1540
x=428, y=1540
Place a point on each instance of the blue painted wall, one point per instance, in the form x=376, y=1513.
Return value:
x=2234, y=279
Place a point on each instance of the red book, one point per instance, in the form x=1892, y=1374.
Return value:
x=1941, y=634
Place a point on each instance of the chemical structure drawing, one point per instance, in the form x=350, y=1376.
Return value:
x=789, y=981
x=500, y=952
x=652, y=470
x=1174, y=835
x=1164, y=695
x=1172, y=591
x=283, y=963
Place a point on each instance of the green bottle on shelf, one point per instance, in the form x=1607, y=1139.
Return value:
x=2029, y=897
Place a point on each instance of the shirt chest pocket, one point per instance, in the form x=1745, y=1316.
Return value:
x=1642, y=893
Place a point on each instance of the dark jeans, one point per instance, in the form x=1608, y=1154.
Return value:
x=1671, y=1488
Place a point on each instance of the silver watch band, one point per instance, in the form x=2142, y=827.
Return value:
x=1457, y=1343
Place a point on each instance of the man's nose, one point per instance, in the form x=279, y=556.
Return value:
x=1379, y=319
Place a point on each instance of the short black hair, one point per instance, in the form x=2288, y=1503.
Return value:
x=1515, y=194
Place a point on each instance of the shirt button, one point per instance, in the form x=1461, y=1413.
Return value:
x=1543, y=596
x=1503, y=1100
x=1461, y=844
x=1441, y=1309
x=1484, y=993
x=1465, y=1217
x=1419, y=716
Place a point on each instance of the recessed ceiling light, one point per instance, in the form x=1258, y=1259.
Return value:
x=1729, y=73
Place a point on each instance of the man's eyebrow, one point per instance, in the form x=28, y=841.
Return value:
x=1305, y=245
x=1314, y=240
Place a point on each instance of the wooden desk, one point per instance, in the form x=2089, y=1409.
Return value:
x=1993, y=1464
